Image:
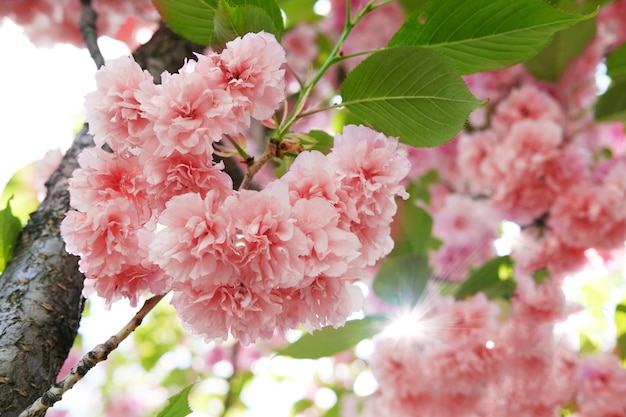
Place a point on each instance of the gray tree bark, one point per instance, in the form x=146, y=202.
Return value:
x=41, y=288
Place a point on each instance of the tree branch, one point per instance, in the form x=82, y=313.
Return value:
x=88, y=30
x=40, y=297
x=91, y=359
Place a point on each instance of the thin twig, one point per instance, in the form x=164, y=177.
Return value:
x=90, y=34
x=271, y=151
x=91, y=359
x=230, y=395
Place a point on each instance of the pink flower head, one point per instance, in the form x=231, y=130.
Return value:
x=130, y=283
x=219, y=311
x=535, y=251
x=313, y=175
x=103, y=176
x=252, y=65
x=179, y=174
x=106, y=237
x=527, y=102
x=464, y=221
x=477, y=162
x=602, y=386
x=194, y=247
x=265, y=239
x=589, y=216
x=331, y=248
x=114, y=110
x=372, y=168
x=325, y=301
x=543, y=303
x=300, y=48
x=189, y=114
x=527, y=146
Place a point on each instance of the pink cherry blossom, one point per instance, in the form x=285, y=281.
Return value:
x=325, y=301
x=104, y=176
x=252, y=65
x=222, y=310
x=114, y=110
x=331, y=249
x=602, y=386
x=538, y=250
x=477, y=163
x=266, y=241
x=527, y=102
x=589, y=216
x=179, y=174
x=194, y=247
x=300, y=48
x=130, y=283
x=108, y=237
x=372, y=168
x=464, y=221
x=452, y=262
x=189, y=114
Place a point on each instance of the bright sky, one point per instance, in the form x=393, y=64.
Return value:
x=41, y=96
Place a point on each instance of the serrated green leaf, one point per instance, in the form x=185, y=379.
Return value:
x=235, y=18
x=177, y=405
x=494, y=278
x=329, y=341
x=620, y=325
x=409, y=92
x=483, y=35
x=616, y=64
x=611, y=105
x=192, y=19
x=231, y=22
x=10, y=227
x=401, y=280
x=550, y=63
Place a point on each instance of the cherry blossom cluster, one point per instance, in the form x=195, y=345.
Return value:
x=458, y=358
x=47, y=22
x=534, y=156
x=154, y=212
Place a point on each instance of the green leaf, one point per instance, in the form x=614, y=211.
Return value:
x=231, y=22
x=414, y=236
x=494, y=278
x=10, y=227
x=611, y=105
x=567, y=44
x=21, y=191
x=412, y=93
x=401, y=280
x=214, y=22
x=299, y=11
x=410, y=6
x=551, y=62
x=616, y=64
x=177, y=405
x=620, y=324
x=192, y=19
x=329, y=341
x=483, y=35
x=323, y=141
x=235, y=18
